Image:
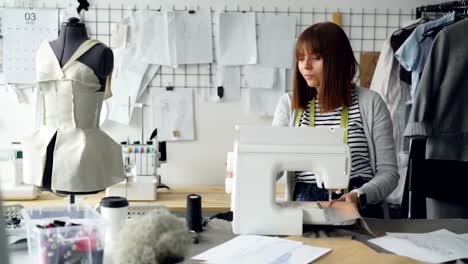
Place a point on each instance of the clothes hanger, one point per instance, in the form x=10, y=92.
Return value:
x=432, y=32
x=422, y=20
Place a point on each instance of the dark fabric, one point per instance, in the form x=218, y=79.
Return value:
x=311, y=192
x=396, y=40
x=47, y=175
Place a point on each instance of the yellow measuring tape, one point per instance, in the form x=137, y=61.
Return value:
x=343, y=124
x=343, y=119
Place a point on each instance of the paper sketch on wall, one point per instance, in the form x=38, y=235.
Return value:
x=130, y=80
x=18, y=25
x=257, y=76
x=152, y=35
x=10, y=128
x=193, y=37
x=237, y=39
x=119, y=35
x=264, y=101
x=280, y=30
x=173, y=114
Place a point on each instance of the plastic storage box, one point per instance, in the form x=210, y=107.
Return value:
x=80, y=240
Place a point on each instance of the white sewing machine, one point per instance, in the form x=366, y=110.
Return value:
x=11, y=176
x=261, y=153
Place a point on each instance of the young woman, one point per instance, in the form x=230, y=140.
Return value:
x=324, y=94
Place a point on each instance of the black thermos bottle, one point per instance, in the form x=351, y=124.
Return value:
x=194, y=213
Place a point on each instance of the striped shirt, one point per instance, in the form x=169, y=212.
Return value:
x=360, y=163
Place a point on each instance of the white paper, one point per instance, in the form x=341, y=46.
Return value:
x=237, y=39
x=249, y=249
x=147, y=77
x=126, y=81
x=7, y=167
x=119, y=35
x=435, y=247
x=276, y=39
x=154, y=34
x=229, y=78
x=289, y=79
x=2, y=79
x=173, y=114
x=303, y=254
x=10, y=128
x=257, y=76
x=23, y=31
x=193, y=37
x=264, y=101
x=69, y=10
x=1, y=48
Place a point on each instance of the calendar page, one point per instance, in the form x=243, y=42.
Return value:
x=23, y=31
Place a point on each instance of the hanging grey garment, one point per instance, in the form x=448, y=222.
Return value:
x=85, y=159
x=439, y=107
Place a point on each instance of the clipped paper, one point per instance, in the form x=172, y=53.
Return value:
x=237, y=39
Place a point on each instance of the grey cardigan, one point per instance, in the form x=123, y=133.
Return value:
x=378, y=129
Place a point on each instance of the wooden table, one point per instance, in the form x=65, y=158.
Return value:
x=214, y=198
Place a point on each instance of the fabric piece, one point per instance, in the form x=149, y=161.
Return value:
x=85, y=158
x=387, y=84
x=402, y=145
x=396, y=94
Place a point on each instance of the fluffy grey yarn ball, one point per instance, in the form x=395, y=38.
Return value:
x=156, y=238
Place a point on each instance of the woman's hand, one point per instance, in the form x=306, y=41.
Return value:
x=351, y=197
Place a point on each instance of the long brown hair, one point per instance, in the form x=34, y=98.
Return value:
x=339, y=67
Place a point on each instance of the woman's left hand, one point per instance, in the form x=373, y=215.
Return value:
x=351, y=197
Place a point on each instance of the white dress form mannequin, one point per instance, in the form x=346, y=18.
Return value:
x=69, y=153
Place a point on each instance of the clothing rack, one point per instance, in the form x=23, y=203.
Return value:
x=442, y=8
x=443, y=180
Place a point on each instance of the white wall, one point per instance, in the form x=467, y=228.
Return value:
x=200, y=161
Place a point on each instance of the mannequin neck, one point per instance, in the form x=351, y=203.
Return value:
x=75, y=33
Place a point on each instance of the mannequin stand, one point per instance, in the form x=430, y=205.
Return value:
x=164, y=186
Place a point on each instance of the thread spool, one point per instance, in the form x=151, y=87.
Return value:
x=162, y=150
x=194, y=213
x=114, y=210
